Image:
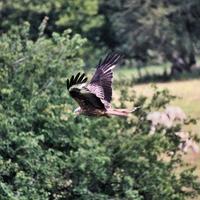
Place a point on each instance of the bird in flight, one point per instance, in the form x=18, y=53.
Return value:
x=94, y=97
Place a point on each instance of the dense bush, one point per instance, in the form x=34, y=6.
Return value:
x=80, y=15
x=47, y=153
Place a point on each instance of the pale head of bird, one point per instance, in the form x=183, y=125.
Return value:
x=78, y=111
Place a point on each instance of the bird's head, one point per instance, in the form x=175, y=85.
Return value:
x=78, y=111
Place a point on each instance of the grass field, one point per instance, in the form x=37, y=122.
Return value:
x=189, y=101
x=188, y=93
x=133, y=73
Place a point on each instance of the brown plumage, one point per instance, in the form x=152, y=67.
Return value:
x=95, y=96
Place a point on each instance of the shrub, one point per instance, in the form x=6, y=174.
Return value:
x=47, y=153
x=82, y=15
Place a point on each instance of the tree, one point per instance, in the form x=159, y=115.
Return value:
x=152, y=29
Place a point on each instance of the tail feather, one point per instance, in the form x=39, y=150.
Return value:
x=120, y=112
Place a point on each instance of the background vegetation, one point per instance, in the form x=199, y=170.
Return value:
x=172, y=27
x=46, y=152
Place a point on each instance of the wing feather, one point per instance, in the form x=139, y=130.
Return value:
x=76, y=80
x=101, y=82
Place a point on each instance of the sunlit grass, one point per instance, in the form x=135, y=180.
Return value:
x=187, y=92
x=133, y=72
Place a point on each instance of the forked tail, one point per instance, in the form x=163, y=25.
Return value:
x=120, y=112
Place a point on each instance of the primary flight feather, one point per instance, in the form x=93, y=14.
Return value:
x=94, y=97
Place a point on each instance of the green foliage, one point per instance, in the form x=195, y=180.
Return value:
x=80, y=15
x=48, y=153
x=172, y=26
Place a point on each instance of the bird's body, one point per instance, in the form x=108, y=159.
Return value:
x=95, y=96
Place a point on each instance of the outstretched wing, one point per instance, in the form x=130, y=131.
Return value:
x=101, y=82
x=78, y=91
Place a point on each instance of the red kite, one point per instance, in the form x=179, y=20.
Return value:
x=95, y=96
